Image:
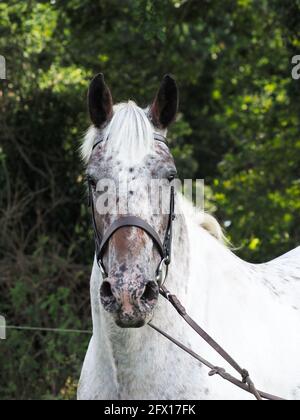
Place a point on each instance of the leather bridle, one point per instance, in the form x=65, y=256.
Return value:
x=165, y=250
x=163, y=247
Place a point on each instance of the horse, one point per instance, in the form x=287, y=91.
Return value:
x=252, y=310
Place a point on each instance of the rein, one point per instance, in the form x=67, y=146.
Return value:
x=246, y=383
x=165, y=250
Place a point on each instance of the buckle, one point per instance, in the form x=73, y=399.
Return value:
x=161, y=276
x=102, y=269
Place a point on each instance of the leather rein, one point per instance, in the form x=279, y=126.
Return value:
x=165, y=250
x=246, y=383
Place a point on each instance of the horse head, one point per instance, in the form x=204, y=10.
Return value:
x=125, y=152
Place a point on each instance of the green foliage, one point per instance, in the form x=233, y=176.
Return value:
x=238, y=128
x=258, y=185
x=45, y=289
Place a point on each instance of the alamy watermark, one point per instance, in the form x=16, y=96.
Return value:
x=2, y=67
x=125, y=197
x=296, y=68
x=2, y=328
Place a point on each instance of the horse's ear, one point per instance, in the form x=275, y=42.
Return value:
x=100, y=101
x=165, y=106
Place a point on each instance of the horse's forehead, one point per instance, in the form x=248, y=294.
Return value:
x=113, y=165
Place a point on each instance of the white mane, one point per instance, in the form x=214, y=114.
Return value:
x=130, y=135
x=203, y=219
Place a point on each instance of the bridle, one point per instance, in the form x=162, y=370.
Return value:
x=163, y=247
x=165, y=250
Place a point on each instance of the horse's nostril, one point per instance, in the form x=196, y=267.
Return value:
x=107, y=297
x=106, y=291
x=151, y=292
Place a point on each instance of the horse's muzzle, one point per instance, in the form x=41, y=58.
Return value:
x=131, y=303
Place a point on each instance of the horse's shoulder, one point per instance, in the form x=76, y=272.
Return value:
x=282, y=276
x=291, y=256
x=293, y=252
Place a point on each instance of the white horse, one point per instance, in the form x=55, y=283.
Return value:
x=251, y=310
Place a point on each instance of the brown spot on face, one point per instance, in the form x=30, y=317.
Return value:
x=127, y=245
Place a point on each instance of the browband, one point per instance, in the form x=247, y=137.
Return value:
x=157, y=137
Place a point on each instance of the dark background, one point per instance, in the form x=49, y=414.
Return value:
x=238, y=128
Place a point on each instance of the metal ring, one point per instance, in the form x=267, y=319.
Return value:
x=159, y=275
x=102, y=269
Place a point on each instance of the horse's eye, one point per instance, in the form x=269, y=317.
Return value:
x=172, y=175
x=91, y=182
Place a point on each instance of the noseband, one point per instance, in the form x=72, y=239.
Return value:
x=164, y=248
